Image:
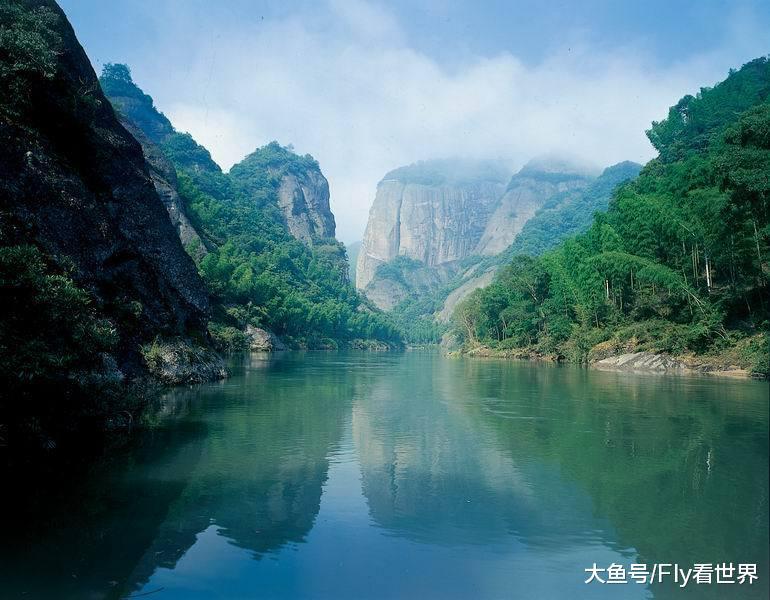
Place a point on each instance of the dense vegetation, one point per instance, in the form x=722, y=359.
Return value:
x=568, y=213
x=257, y=271
x=678, y=263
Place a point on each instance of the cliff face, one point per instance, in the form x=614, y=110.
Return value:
x=527, y=191
x=439, y=213
x=429, y=213
x=301, y=189
x=151, y=129
x=75, y=184
x=164, y=179
x=304, y=201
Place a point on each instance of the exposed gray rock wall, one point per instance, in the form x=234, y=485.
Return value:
x=262, y=340
x=526, y=193
x=429, y=213
x=164, y=178
x=304, y=200
x=434, y=224
x=653, y=362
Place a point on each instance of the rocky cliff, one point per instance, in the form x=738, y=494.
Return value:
x=433, y=212
x=446, y=216
x=527, y=192
x=164, y=179
x=302, y=190
x=567, y=198
x=75, y=182
x=152, y=129
x=75, y=188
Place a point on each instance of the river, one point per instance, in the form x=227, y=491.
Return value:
x=410, y=475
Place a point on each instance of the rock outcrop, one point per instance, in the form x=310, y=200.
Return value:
x=433, y=212
x=304, y=200
x=75, y=183
x=448, y=216
x=302, y=190
x=526, y=193
x=176, y=363
x=658, y=362
x=261, y=340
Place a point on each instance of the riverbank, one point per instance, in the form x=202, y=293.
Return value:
x=737, y=361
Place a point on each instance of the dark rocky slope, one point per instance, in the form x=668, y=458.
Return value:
x=75, y=187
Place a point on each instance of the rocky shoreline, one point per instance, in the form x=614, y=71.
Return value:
x=630, y=362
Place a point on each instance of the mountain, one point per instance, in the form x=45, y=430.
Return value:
x=568, y=213
x=440, y=229
x=433, y=212
x=677, y=265
x=265, y=235
x=90, y=263
x=303, y=191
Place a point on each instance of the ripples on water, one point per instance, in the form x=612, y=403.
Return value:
x=411, y=476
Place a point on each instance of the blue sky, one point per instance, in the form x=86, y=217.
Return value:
x=367, y=86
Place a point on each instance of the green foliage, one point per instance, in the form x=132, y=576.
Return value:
x=397, y=268
x=678, y=263
x=255, y=269
x=29, y=49
x=227, y=338
x=273, y=160
x=414, y=317
x=694, y=120
x=50, y=327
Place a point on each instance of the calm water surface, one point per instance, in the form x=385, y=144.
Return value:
x=410, y=476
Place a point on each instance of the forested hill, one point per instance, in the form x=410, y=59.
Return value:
x=567, y=214
x=271, y=259
x=679, y=262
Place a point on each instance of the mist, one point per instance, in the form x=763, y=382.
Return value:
x=345, y=82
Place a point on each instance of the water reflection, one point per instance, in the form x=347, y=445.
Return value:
x=367, y=475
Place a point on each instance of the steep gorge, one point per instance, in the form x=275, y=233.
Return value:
x=263, y=234
x=432, y=212
x=438, y=230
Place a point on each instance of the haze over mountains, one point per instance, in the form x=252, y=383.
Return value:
x=441, y=223
x=367, y=86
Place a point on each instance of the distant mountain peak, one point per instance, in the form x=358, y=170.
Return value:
x=451, y=171
x=552, y=163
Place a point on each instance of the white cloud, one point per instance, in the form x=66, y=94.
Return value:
x=350, y=90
